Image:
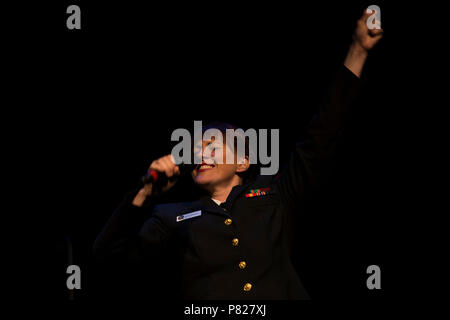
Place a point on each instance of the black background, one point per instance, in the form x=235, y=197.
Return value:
x=111, y=94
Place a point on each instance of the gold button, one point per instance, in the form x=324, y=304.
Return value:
x=235, y=242
x=248, y=287
x=228, y=222
x=243, y=265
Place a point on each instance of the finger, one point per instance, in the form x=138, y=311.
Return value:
x=156, y=165
x=169, y=166
x=165, y=168
x=160, y=165
x=366, y=14
x=177, y=171
x=376, y=32
x=170, y=156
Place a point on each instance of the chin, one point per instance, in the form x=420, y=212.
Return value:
x=205, y=179
x=202, y=180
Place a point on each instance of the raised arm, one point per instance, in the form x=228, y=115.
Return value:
x=364, y=39
x=312, y=159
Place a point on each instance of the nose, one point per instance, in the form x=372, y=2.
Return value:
x=200, y=152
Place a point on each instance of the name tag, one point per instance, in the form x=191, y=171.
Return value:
x=189, y=216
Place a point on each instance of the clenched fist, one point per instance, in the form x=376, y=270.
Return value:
x=364, y=39
x=164, y=165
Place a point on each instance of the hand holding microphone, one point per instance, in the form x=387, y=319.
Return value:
x=161, y=177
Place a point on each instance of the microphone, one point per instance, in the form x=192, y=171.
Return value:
x=160, y=180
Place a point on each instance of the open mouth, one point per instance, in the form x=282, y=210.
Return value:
x=204, y=167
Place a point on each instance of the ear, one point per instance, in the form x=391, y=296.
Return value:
x=242, y=167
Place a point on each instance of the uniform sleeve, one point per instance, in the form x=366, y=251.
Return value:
x=130, y=235
x=311, y=160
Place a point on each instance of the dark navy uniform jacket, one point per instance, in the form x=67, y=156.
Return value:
x=240, y=250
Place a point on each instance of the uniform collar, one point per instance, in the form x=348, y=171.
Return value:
x=211, y=206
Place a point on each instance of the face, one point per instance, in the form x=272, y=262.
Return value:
x=216, y=174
